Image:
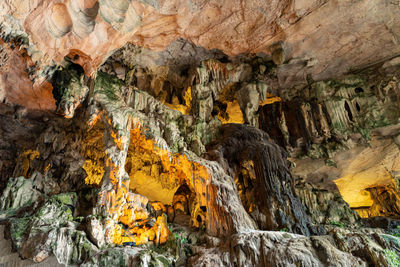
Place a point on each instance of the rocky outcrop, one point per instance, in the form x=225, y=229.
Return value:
x=332, y=111
x=50, y=230
x=341, y=247
x=263, y=179
x=326, y=207
x=9, y=257
x=20, y=194
x=51, y=226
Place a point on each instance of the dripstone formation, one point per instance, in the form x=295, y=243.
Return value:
x=199, y=133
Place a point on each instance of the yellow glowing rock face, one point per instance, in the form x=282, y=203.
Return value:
x=27, y=157
x=134, y=210
x=162, y=230
x=147, y=162
x=93, y=152
x=270, y=99
x=152, y=187
x=234, y=113
x=94, y=172
x=131, y=215
x=157, y=174
x=184, y=109
x=374, y=166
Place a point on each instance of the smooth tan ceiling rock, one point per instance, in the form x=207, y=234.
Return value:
x=58, y=21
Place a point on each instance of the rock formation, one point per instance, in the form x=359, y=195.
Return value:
x=200, y=133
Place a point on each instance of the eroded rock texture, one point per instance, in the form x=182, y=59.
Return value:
x=263, y=179
x=200, y=133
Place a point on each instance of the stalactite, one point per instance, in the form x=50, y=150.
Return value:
x=277, y=205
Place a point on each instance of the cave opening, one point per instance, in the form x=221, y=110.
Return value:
x=61, y=79
x=180, y=210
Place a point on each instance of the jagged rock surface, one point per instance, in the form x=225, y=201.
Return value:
x=266, y=186
x=262, y=248
x=325, y=207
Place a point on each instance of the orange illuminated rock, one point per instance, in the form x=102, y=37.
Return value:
x=233, y=113
x=270, y=100
x=177, y=169
x=134, y=210
x=130, y=209
x=162, y=231
x=158, y=206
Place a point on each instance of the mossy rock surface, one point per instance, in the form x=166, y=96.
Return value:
x=52, y=230
x=19, y=194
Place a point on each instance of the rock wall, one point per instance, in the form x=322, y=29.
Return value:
x=342, y=134
x=263, y=178
x=326, y=207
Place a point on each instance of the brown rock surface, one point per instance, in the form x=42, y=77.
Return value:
x=15, y=85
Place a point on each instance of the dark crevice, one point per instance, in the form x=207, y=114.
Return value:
x=62, y=78
x=358, y=107
x=349, y=114
x=359, y=90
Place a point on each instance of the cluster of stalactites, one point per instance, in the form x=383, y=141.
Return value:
x=132, y=219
